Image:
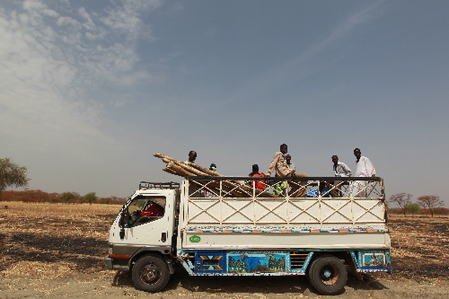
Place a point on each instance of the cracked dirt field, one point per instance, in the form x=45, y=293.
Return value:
x=57, y=250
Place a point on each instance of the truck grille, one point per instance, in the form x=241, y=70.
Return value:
x=297, y=260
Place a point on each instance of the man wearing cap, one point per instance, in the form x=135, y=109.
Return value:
x=340, y=170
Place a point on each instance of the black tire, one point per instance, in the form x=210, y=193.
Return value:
x=328, y=275
x=150, y=274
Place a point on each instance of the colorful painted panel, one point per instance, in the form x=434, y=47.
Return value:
x=373, y=259
x=258, y=262
x=282, y=230
x=210, y=262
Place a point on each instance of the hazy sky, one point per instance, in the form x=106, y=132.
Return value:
x=89, y=90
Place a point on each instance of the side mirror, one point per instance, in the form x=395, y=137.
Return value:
x=124, y=218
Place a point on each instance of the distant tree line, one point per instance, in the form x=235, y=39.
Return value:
x=427, y=204
x=14, y=175
x=66, y=197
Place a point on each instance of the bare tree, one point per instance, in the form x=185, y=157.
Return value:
x=430, y=202
x=402, y=200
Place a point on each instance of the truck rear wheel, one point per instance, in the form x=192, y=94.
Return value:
x=328, y=275
x=150, y=274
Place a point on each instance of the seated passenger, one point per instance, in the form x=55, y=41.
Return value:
x=324, y=189
x=152, y=209
x=260, y=185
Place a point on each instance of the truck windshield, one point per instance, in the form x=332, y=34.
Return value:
x=144, y=209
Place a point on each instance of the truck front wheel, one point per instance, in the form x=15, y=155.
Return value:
x=150, y=274
x=328, y=275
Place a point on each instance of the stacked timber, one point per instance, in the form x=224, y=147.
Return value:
x=188, y=169
x=184, y=169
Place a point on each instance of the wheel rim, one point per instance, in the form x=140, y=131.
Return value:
x=150, y=274
x=329, y=275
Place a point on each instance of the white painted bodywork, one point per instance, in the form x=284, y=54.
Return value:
x=258, y=222
x=253, y=222
x=148, y=234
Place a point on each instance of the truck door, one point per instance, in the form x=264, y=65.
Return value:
x=146, y=221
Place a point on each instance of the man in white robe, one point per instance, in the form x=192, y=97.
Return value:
x=364, y=168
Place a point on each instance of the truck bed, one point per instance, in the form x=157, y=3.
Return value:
x=215, y=218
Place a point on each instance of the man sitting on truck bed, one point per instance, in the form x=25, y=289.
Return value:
x=260, y=185
x=283, y=170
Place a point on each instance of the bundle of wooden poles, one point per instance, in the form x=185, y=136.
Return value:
x=188, y=169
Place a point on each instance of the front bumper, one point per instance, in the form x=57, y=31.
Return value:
x=110, y=264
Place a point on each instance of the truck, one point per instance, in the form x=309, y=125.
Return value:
x=316, y=227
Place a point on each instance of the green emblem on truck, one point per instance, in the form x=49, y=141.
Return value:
x=195, y=239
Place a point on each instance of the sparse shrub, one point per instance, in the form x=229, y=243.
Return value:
x=69, y=197
x=441, y=211
x=90, y=197
x=413, y=208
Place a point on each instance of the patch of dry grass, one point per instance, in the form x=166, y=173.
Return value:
x=47, y=239
x=420, y=246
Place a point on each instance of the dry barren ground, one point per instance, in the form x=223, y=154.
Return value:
x=57, y=250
